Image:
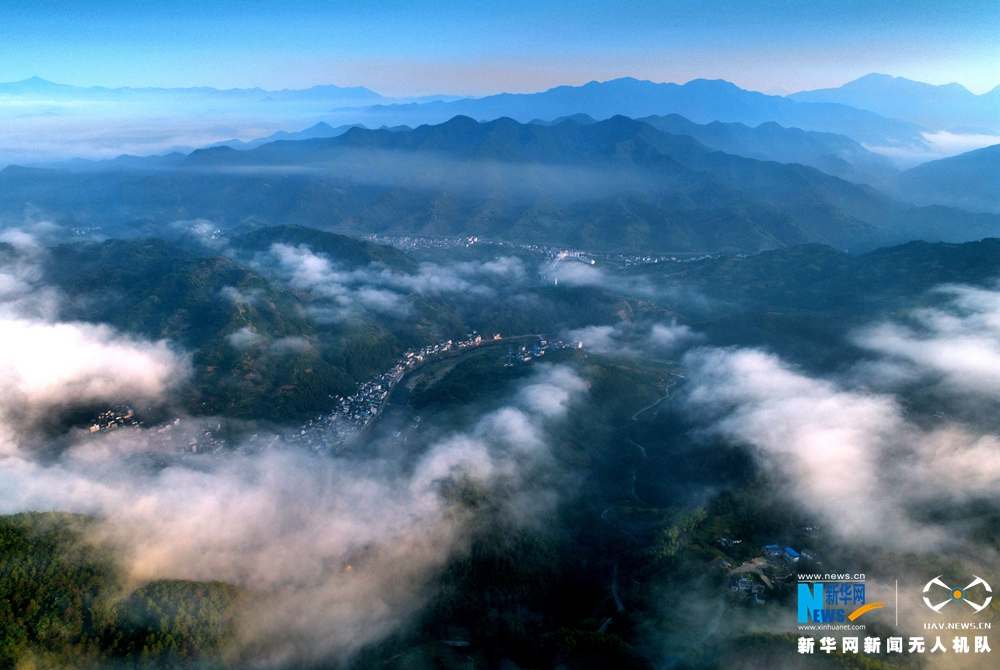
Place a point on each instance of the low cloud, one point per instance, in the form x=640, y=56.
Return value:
x=345, y=293
x=244, y=338
x=44, y=366
x=575, y=273
x=339, y=551
x=47, y=365
x=636, y=283
x=937, y=145
x=854, y=458
x=290, y=345
x=956, y=346
x=238, y=297
x=827, y=442
x=628, y=339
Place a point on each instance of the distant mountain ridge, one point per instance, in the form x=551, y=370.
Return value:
x=970, y=180
x=321, y=129
x=700, y=100
x=618, y=184
x=833, y=154
x=35, y=85
x=950, y=107
x=891, y=116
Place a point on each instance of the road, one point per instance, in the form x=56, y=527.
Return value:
x=651, y=405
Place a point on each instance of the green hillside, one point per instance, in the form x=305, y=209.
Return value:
x=617, y=184
x=63, y=603
x=349, y=252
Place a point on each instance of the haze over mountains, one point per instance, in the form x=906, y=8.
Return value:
x=834, y=154
x=42, y=88
x=909, y=121
x=700, y=100
x=969, y=180
x=525, y=392
x=949, y=107
x=618, y=184
x=706, y=167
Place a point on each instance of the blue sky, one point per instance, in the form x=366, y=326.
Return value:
x=405, y=48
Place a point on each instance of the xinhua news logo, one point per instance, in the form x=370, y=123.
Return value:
x=833, y=602
x=942, y=596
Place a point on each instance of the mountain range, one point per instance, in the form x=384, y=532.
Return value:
x=618, y=184
x=36, y=86
x=700, y=100
x=833, y=154
x=949, y=107
x=321, y=129
x=902, y=119
x=970, y=180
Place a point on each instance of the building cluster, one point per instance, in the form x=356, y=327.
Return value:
x=84, y=231
x=114, y=418
x=407, y=243
x=789, y=555
x=551, y=254
x=332, y=431
x=352, y=414
x=630, y=260
x=193, y=436
x=326, y=432
x=779, y=562
x=525, y=353
x=749, y=588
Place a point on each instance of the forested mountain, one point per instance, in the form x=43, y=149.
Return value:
x=614, y=185
x=553, y=587
x=833, y=154
x=256, y=352
x=970, y=180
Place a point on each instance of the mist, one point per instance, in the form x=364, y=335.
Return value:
x=338, y=552
x=859, y=459
x=345, y=294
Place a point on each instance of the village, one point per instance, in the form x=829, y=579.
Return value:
x=408, y=243
x=114, y=418
x=349, y=416
x=757, y=579
x=353, y=414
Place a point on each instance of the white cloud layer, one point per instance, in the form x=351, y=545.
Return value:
x=281, y=522
x=376, y=287
x=47, y=365
x=628, y=339
x=956, y=345
x=851, y=456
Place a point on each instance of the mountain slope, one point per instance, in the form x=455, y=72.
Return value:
x=779, y=205
x=349, y=252
x=321, y=129
x=158, y=290
x=618, y=184
x=833, y=154
x=805, y=302
x=255, y=351
x=950, y=107
x=970, y=180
